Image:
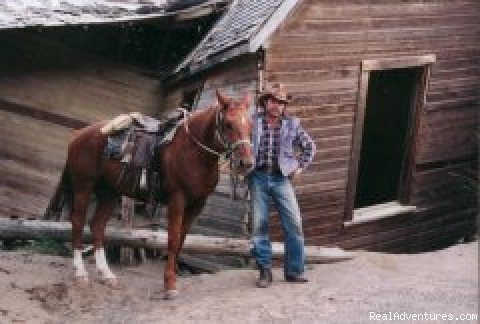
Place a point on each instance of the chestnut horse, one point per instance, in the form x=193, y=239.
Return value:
x=189, y=165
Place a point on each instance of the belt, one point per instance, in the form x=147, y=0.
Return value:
x=270, y=171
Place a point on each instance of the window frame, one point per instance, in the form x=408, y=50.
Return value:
x=418, y=105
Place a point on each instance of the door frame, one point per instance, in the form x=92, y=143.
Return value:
x=418, y=104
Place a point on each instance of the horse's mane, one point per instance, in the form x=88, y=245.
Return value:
x=204, y=113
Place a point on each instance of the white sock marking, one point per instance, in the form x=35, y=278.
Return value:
x=78, y=264
x=102, y=265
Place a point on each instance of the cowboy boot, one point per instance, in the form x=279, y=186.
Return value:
x=265, y=279
x=296, y=279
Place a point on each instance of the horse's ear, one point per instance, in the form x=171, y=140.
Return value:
x=222, y=99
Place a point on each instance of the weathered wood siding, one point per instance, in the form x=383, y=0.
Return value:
x=317, y=53
x=222, y=216
x=47, y=90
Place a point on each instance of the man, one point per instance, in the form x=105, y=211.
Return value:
x=274, y=137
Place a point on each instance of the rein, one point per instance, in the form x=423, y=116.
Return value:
x=229, y=147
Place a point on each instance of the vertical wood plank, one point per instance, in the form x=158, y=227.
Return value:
x=356, y=144
x=405, y=170
x=405, y=186
x=127, y=214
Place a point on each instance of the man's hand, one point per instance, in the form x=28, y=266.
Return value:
x=295, y=173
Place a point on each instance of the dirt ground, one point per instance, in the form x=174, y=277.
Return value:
x=38, y=289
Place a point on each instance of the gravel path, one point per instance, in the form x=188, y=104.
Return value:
x=38, y=289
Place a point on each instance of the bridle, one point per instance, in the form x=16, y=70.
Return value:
x=228, y=146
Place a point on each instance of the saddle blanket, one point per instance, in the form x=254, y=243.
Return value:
x=127, y=131
x=125, y=121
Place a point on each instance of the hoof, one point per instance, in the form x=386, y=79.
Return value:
x=110, y=282
x=81, y=281
x=170, y=294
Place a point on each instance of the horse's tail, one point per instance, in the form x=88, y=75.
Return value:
x=61, y=201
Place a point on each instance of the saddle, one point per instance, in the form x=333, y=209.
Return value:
x=133, y=139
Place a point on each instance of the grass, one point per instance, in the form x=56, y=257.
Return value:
x=41, y=246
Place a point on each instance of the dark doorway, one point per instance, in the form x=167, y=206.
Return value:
x=390, y=100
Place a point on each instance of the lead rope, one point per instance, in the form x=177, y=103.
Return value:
x=247, y=212
x=240, y=191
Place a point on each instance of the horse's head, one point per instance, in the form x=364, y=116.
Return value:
x=234, y=129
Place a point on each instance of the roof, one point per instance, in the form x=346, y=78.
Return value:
x=15, y=14
x=245, y=27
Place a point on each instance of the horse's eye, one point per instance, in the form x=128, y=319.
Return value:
x=228, y=126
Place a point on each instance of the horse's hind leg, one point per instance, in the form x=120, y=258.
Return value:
x=190, y=214
x=81, y=199
x=105, y=204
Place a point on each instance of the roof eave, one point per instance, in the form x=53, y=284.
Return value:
x=189, y=13
x=210, y=62
x=261, y=37
x=219, y=58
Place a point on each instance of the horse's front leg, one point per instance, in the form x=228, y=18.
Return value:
x=176, y=211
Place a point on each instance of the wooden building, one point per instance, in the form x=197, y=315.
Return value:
x=65, y=66
x=388, y=90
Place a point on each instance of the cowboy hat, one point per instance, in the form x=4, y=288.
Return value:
x=276, y=91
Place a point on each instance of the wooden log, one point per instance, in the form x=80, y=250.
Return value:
x=25, y=229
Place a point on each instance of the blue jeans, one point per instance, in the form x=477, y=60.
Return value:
x=263, y=187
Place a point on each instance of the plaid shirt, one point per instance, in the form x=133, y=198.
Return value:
x=269, y=148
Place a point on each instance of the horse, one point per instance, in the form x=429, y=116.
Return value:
x=188, y=165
